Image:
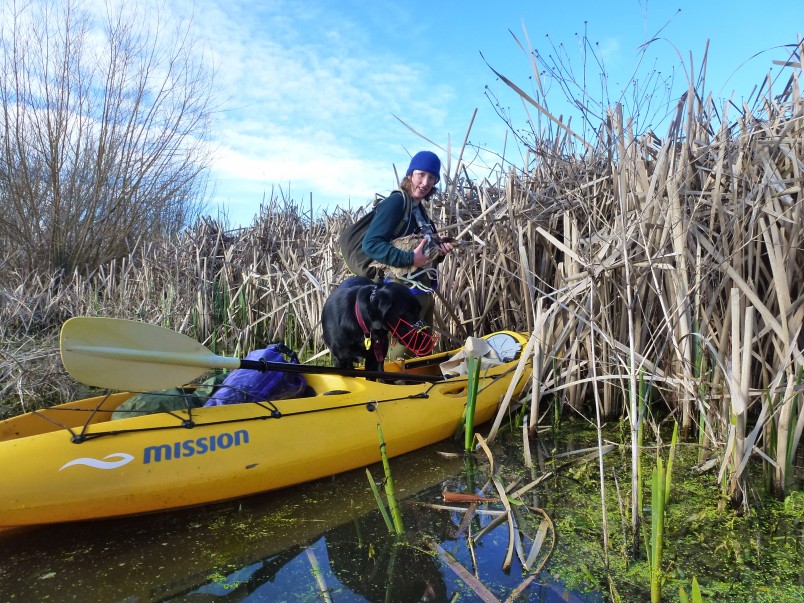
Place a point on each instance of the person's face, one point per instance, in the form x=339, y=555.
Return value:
x=423, y=183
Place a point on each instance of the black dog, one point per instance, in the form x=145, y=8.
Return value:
x=381, y=308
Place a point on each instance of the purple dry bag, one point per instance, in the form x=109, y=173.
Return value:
x=245, y=385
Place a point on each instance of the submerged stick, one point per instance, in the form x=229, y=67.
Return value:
x=319, y=577
x=509, y=555
x=476, y=585
x=466, y=524
x=466, y=497
x=454, y=509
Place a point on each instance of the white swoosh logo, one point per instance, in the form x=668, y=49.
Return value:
x=102, y=464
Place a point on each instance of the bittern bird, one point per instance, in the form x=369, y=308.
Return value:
x=413, y=274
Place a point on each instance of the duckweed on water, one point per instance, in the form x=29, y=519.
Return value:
x=751, y=557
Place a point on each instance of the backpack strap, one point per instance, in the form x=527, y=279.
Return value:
x=407, y=210
x=406, y=213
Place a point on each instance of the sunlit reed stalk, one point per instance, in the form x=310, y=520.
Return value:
x=644, y=402
x=658, y=497
x=599, y=427
x=380, y=504
x=473, y=377
x=634, y=416
x=697, y=597
x=390, y=492
x=555, y=421
x=670, y=458
x=788, y=429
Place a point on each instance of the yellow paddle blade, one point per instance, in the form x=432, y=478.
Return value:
x=133, y=356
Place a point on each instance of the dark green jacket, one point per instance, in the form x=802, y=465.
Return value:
x=377, y=244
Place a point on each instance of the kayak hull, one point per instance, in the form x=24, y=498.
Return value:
x=60, y=466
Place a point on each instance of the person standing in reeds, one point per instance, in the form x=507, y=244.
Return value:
x=397, y=217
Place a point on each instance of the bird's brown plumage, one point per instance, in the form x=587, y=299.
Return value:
x=409, y=243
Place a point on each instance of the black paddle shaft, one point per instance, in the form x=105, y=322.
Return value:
x=286, y=367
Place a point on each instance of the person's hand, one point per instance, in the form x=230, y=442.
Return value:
x=419, y=257
x=445, y=248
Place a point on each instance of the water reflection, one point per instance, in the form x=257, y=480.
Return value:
x=324, y=539
x=354, y=562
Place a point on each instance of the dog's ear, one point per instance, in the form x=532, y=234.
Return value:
x=393, y=301
x=383, y=302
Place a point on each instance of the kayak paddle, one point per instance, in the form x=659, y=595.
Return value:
x=135, y=356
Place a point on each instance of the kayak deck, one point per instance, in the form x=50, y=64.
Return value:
x=77, y=416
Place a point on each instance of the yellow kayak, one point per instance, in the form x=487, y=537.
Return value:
x=73, y=462
x=237, y=535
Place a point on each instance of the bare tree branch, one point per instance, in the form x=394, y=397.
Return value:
x=103, y=131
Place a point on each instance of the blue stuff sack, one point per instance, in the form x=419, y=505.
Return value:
x=246, y=385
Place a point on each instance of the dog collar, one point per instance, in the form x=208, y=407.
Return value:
x=370, y=341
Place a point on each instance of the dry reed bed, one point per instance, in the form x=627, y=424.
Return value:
x=680, y=259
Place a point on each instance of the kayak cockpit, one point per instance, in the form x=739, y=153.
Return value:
x=119, y=411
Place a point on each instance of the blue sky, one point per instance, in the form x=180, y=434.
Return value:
x=311, y=89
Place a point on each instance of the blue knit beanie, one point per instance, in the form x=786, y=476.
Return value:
x=426, y=162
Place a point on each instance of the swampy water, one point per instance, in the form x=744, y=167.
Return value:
x=327, y=541
x=325, y=538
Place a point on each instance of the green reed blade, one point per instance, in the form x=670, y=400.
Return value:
x=380, y=504
x=390, y=493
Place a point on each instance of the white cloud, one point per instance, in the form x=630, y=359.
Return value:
x=307, y=92
x=308, y=101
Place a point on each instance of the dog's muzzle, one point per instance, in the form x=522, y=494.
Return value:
x=417, y=337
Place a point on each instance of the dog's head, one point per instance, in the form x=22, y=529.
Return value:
x=397, y=311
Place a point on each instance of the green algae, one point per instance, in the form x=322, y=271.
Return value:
x=750, y=556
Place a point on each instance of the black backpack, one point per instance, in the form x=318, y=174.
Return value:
x=351, y=239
